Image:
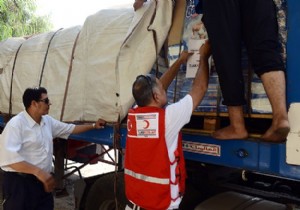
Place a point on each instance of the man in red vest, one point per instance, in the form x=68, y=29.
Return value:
x=154, y=162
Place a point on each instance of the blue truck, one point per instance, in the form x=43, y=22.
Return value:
x=222, y=175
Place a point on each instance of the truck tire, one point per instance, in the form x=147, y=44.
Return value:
x=232, y=201
x=108, y=205
x=191, y=198
x=101, y=195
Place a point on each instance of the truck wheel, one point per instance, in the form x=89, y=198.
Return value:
x=101, y=195
x=108, y=205
x=233, y=200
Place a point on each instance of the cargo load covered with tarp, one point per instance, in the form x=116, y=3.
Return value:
x=89, y=70
x=8, y=49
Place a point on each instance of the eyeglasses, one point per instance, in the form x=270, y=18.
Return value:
x=148, y=78
x=45, y=100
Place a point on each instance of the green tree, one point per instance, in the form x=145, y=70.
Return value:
x=18, y=18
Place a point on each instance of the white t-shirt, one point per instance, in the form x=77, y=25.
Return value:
x=25, y=140
x=177, y=115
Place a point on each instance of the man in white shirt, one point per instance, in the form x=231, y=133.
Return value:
x=26, y=151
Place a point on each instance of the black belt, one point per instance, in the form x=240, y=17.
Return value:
x=131, y=205
x=24, y=175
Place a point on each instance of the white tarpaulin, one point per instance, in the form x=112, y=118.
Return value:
x=56, y=71
x=137, y=54
x=8, y=50
x=113, y=47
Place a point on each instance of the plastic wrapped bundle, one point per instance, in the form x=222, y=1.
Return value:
x=259, y=100
x=282, y=28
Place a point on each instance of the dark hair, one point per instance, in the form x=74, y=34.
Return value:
x=32, y=94
x=142, y=89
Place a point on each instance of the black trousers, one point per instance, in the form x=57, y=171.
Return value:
x=230, y=23
x=25, y=192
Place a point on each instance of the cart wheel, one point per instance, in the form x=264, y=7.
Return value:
x=101, y=195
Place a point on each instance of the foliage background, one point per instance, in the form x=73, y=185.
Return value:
x=18, y=18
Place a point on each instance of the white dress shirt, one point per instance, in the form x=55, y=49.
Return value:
x=177, y=115
x=25, y=140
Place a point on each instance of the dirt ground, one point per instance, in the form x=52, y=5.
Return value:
x=66, y=202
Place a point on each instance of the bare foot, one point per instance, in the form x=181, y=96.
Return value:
x=277, y=132
x=230, y=132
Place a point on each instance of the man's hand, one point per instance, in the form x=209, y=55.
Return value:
x=100, y=124
x=205, y=50
x=47, y=179
x=138, y=4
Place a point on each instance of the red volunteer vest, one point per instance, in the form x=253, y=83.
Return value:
x=147, y=164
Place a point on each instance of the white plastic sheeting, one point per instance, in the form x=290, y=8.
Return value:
x=56, y=71
x=8, y=49
x=113, y=47
x=137, y=54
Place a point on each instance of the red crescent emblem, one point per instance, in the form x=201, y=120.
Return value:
x=129, y=125
x=147, y=124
